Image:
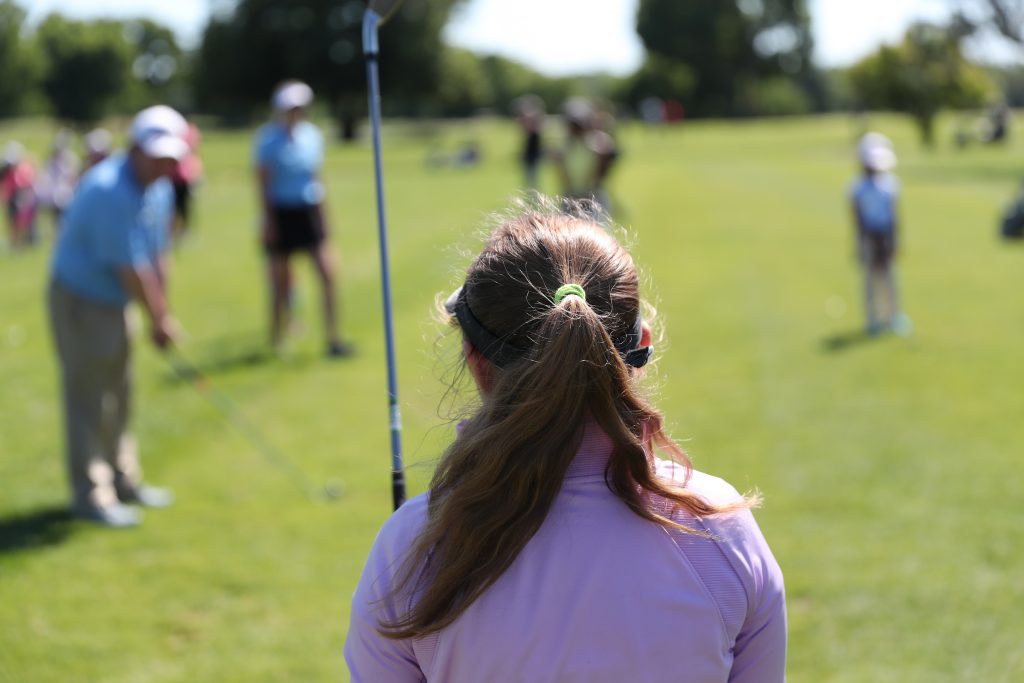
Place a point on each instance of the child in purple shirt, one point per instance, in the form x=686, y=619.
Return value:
x=553, y=544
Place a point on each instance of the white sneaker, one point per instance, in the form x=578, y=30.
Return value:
x=116, y=516
x=901, y=326
x=150, y=497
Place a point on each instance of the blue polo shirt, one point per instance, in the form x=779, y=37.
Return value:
x=112, y=222
x=875, y=198
x=293, y=162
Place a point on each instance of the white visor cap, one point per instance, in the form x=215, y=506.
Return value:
x=292, y=95
x=159, y=132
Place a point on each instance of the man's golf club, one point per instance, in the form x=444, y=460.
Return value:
x=194, y=376
x=377, y=12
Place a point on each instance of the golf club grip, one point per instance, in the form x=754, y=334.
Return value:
x=397, y=488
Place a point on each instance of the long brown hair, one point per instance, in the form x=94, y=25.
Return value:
x=495, y=484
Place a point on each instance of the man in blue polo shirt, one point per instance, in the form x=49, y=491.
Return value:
x=112, y=251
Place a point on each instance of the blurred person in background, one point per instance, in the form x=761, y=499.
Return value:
x=186, y=177
x=17, y=190
x=554, y=543
x=289, y=155
x=97, y=143
x=112, y=250
x=874, y=199
x=530, y=114
x=55, y=184
x=586, y=156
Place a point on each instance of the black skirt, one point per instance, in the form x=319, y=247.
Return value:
x=298, y=229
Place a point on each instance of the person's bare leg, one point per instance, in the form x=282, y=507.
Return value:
x=280, y=285
x=870, y=303
x=325, y=270
x=892, y=294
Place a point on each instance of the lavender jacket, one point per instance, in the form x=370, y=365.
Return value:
x=597, y=595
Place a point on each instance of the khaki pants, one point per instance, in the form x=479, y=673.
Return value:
x=93, y=348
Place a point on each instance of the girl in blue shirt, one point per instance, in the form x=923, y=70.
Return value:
x=289, y=155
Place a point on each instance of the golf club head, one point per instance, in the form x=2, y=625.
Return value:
x=384, y=9
x=377, y=12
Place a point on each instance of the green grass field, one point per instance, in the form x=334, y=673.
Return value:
x=890, y=469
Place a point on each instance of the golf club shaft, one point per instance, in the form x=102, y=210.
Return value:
x=394, y=413
x=189, y=372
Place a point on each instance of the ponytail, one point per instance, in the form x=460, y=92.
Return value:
x=553, y=303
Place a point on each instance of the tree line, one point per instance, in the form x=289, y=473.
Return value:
x=727, y=58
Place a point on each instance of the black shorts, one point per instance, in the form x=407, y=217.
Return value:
x=298, y=229
x=879, y=248
x=182, y=200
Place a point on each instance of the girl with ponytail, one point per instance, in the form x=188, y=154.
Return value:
x=553, y=544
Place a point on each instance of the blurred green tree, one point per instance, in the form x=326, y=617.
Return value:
x=663, y=78
x=725, y=45
x=157, y=65
x=19, y=63
x=924, y=74
x=1005, y=16
x=465, y=86
x=251, y=45
x=86, y=66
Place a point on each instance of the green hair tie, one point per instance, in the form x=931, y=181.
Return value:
x=569, y=290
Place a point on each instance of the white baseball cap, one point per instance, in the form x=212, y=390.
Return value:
x=98, y=141
x=878, y=158
x=875, y=152
x=159, y=132
x=292, y=95
x=13, y=152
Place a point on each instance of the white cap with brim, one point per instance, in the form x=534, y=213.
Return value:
x=292, y=96
x=164, y=146
x=159, y=132
x=878, y=158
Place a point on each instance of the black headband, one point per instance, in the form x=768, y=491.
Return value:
x=501, y=352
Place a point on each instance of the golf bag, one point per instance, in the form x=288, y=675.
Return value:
x=1012, y=227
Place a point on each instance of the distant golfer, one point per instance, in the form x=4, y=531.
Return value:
x=554, y=544
x=110, y=251
x=874, y=197
x=97, y=143
x=289, y=156
x=586, y=157
x=17, y=192
x=530, y=114
x=56, y=182
x=188, y=174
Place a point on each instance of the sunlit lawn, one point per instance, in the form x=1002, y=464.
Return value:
x=890, y=469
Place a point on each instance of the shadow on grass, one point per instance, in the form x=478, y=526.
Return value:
x=228, y=354
x=220, y=356
x=846, y=340
x=45, y=527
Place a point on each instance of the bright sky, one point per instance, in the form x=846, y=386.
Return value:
x=561, y=37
